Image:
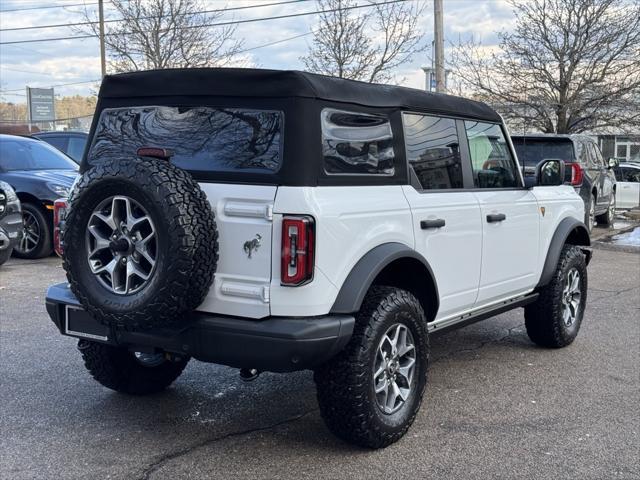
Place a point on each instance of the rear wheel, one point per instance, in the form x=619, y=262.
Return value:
x=36, y=237
x=608, y=217
x=128, y=372
x=590, y=214
x=370, y=393
x=554, y=319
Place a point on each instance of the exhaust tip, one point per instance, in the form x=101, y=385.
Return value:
x=249, y=374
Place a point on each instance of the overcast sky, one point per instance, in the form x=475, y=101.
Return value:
x=45, y=64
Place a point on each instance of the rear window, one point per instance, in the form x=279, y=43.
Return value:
x=202, y=139
x=533, y=151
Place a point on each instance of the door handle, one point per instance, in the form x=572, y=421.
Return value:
x=427, y=224
x=496, y=217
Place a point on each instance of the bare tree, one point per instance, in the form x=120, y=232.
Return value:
x=364, y=46
x=154, y=34
x=568, y=66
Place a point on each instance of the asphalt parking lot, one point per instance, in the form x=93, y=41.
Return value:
x=496, y=406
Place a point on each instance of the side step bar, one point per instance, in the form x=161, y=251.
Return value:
x=483, y=314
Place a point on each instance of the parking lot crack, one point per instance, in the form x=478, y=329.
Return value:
x=164, y=459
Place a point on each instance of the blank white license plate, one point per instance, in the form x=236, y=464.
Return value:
x=79, y=323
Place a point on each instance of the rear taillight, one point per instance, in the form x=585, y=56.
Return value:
x=574, y=174
x=59, y=214
x=298, y=245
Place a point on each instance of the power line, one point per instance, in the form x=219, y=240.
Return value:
x=53, y=86
x=219, y=24
x=217, y=10
x=48, y=6
x=24, y=71
x=237, y=53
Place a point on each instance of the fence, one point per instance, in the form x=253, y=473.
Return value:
x=16, y=127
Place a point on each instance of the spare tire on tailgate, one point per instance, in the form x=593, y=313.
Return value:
x=140, y=243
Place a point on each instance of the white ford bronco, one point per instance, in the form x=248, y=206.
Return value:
x=279, y=221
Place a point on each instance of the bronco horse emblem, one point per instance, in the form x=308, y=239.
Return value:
x=252, y=245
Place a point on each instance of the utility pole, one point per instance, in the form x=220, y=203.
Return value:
x=438, y=36
x=103, y=60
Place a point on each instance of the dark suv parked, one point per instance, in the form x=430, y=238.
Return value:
x=592, y=176
x=39, y=174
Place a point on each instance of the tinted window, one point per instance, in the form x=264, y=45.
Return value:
x=356, y=143
x=32, y=155
x=630, y=175
x=433, y=150
x=491, y=161
x=583, y=154
x=59, y=142
x=532, y=151
x=596, y=156
x=76, y=147
x=201, y=138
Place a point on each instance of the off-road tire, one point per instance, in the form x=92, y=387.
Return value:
x=186, y=234
x=607, y=217
x=345, y=384
x=543, y=318
x=45, y=243
x=118, y=369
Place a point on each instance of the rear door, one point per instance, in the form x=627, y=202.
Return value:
x=509, y=216
x=446, y=219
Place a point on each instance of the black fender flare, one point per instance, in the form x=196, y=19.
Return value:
x=567, y=227
x=366, y=270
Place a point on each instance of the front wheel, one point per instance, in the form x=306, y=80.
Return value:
x=134, y=373
x=370, y=393
x=36, y=238
x=554, y=319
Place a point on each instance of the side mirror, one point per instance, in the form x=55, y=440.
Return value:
x=613, y=162
x=550, y=172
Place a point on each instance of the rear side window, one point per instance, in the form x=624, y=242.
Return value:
x=356, y=143
x=532, y=151
x=491, y=161
x=76, y=147
x=201, y=138
x=433, y=150
x=59, y=142
x=598, y=161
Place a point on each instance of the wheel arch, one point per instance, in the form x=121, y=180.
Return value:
x=391, y=264
x=569, y=231
x=26, y=197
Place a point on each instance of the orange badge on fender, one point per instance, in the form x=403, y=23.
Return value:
x=542, y=210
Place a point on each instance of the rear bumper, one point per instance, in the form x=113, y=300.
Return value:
x=275, y=344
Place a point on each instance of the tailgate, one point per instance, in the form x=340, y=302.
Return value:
x=244, y=219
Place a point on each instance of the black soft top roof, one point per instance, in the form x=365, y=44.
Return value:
x=262, y=83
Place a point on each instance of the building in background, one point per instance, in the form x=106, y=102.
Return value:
x=626, y=148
